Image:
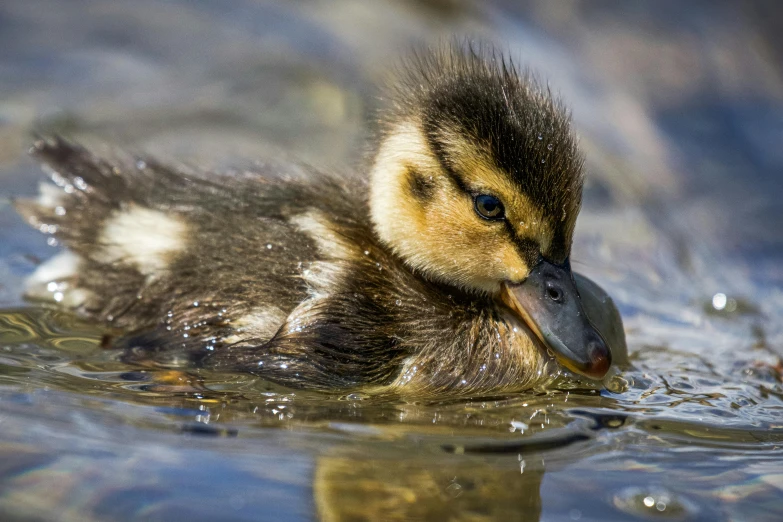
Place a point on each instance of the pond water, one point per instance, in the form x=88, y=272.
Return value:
x=680, y=112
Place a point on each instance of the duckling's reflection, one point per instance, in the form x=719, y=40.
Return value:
x=401, y=486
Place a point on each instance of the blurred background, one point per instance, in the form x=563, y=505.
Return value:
x=679, y=108
x=679, y=105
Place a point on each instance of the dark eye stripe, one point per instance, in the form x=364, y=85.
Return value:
x=489, y=207
x=529, y=249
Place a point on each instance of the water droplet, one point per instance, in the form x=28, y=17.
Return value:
x=269, y=246
x=80, y=183
x=543, y=161
x=540, y=137
x=60, y=211
x=454, y=490
x=366, y=252
x=398, y=302
x=58, y=296
x=518, y=426
x=195, y=303
x=616, y=384
x=52, y=286
x=52, y=242
x=549, y=147
x=719, y=301
x=655, y=501
x=56, y=177
x=141, y=164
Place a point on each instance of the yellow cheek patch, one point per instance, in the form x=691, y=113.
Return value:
x=479, y=253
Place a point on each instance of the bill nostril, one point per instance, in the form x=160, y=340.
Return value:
x=554, y=294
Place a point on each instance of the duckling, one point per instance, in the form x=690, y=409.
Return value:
x=443, y=267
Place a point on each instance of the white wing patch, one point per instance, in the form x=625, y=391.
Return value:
x=64, y=265
x=54, y=280
x=50, y=196
x=143, y=238
x=321, y=277
x=261, y=324
x=316, y=225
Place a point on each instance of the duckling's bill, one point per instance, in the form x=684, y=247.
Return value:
x=549, y=303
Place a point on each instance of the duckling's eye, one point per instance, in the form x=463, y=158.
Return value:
x=489, y=207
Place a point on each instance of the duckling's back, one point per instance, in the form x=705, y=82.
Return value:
x=184, y=259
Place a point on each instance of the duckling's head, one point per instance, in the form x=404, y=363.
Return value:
x=477, y=183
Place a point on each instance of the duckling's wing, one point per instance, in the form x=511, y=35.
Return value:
x=182, y=258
